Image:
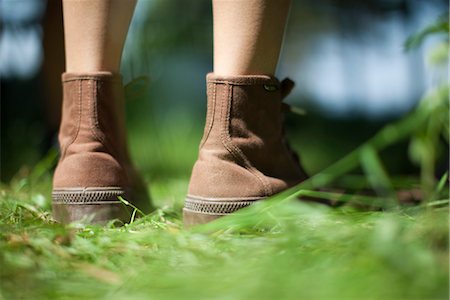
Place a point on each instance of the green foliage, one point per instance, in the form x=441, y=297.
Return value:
x=440, y=27
x=425, y=145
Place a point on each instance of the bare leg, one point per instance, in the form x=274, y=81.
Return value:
x=248, y=35
x=95, y=32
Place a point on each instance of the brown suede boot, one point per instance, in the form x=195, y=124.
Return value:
x=94, y=167
x=243, y=155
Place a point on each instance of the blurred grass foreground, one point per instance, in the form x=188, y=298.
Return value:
x=373, y=247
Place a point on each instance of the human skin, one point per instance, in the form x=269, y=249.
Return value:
x=95, y=32
x=248, y=35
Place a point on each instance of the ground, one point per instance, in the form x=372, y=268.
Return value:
x=280, y=249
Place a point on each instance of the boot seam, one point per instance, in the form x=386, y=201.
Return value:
x=91, y=105
x=229, y=145
x=94, y=118
x=243, y=79
x=195, y=197
x=211, y=112
x=94, y=122
x=246, y=83
x=79, y=113
x=105, y=77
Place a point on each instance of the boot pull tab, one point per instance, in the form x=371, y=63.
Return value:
x=286, y=87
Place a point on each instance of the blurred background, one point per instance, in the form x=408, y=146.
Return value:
x=347, y=57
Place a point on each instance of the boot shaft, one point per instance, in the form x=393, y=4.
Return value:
x=244, y=124
x=93, y=114
x=92, y=133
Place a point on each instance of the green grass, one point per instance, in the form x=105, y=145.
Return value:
x=285, y=250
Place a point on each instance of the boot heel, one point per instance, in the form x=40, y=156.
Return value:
x=192, y=218
x=199, y=211
x=89, y=205
x=99, y=213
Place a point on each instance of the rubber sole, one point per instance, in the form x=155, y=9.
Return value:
x=192, y=218
x=89, y=205
x=198, y=210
